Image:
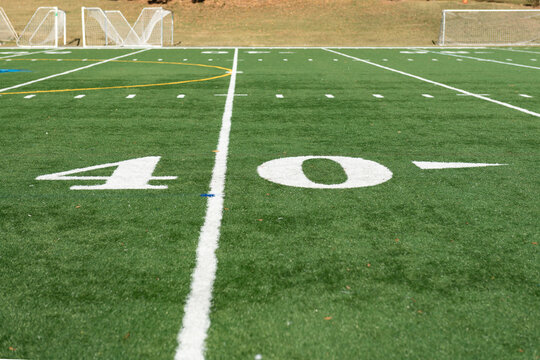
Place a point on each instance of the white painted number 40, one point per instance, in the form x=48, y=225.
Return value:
x=134, y=174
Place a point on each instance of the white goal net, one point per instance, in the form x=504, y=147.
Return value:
x=490, y=27
x=154, y=27
x=7, y=32
x=46, y=28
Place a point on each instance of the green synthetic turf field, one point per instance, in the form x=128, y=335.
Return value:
x=427, y=264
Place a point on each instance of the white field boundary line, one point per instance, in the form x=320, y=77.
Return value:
x=196, y=322
x=485, y=60
x=264, y=47
x=69, y=71
x=529, y=112
x=22, y=54
x=521, y=51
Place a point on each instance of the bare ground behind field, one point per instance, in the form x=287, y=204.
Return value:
x=276, y=22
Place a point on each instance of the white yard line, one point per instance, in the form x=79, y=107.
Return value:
x=69, y=71
x=21, y=54
x=486, y=60
x=521, y=51
x=439, y=84
x=196, y=322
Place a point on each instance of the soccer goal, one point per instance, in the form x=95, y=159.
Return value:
x=490, y=27
x=154, y=27
x=46, y=28
x=104, y=28
x=7, y=32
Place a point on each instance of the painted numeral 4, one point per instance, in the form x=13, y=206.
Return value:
x=134, y=174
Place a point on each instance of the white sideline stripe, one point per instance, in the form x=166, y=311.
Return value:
x=427, y=96
x=522, y=51
x=434, y=165
x=525, y=96
x=131, y=96
x=228, y=94
x=440, y=84
x=29, y=96
x=471, y=95
x=69, y=71
x=487, y=60
x=269, y=47
x=378, y=96
x=22, y=54
x=80, y=96
x=196, y=322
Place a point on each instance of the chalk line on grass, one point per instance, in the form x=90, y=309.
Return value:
x=196, y=322
x=487, y=60
x=529, y=112
x=69, y=71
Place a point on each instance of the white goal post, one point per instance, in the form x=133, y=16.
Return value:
x=490, y=28
x=7, y=32
x=154, y=27
x=46, y=28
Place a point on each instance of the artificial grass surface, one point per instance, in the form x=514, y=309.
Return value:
x=430, y=264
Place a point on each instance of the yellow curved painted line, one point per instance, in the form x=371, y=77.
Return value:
x=125, y=86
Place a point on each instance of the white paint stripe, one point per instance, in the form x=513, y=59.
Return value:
x=29, y=96
x=131, y=96
x=525, y=96
x=431, y=165
x=522, y=51
x=472, y=94
x=80, y=96
x=196, y=320
x=378, y=96
x=69, y=71
x=279, y=96
x=268, y=47
x=181, y=96
x=23, y=54
x=487, y=60
x=228, y=94
x=440, y=84
x=330, y=96
x=427, y=96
